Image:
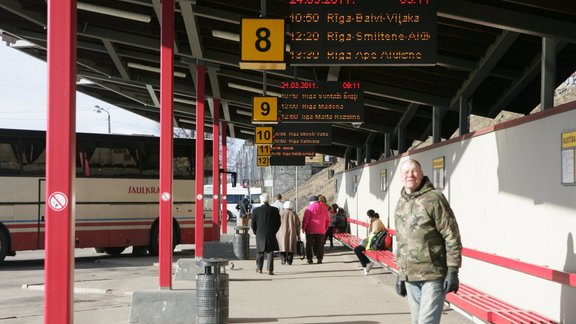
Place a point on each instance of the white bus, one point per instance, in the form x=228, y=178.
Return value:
x=233, y=196
x=116, y=192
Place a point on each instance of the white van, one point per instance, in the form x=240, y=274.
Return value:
x=233, y=196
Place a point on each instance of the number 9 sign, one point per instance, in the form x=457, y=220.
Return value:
x=265, y=110
x=262, y=40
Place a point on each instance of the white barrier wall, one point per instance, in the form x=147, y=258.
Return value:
x=504, y=185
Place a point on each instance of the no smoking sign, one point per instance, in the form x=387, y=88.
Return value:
x=57, y=201
x=165, y=196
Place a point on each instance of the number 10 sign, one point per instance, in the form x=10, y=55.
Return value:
x=263, y=135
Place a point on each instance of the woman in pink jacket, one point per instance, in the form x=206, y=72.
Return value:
x=316, y=221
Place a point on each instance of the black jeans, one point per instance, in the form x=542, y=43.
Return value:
x=329, y=235
x=287, y=256
x=361, y=256
x=260, y=260
x=314, y=246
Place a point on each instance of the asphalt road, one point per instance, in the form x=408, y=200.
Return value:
x=22, y=288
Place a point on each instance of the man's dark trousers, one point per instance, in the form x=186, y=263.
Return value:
x=260, y=260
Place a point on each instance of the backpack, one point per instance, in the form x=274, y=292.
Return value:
x=382, y=241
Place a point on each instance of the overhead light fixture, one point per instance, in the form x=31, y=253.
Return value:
x=113, y=12
x=187, y=121
x=190, y=121
x=245, y=131
x=153, y=69
x=254, y=90
x=233, y=37
x=185, y=101
x=226, y=35
x=82, y=81
x=15, y=42
x=245, y=113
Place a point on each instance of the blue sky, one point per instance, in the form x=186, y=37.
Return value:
x=23, y=84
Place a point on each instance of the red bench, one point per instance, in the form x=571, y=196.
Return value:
x=468, y=299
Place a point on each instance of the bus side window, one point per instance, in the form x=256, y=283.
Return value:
x=182, y=167
x=8, y=160
x=233, y=199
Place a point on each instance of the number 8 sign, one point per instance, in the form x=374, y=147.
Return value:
x=262, y=40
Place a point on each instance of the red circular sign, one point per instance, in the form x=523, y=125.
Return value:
x=57, y=201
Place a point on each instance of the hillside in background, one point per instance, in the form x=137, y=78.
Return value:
x=320, y=183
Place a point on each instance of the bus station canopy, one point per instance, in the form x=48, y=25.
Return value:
x=489, y=52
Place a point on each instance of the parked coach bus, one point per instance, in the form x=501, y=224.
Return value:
x=116, y=192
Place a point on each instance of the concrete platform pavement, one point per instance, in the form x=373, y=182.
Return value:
x=335, y=291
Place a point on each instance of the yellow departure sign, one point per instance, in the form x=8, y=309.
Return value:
x=265, y=110
x=569, y=139
x=263, y=44
x=263, y=161
x=263, y=135
x=264, y=150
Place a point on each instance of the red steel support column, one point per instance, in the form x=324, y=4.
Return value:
x=60, y=163
x=199, y=210
x=216, y=171
x=224, y=177
x=166, y=141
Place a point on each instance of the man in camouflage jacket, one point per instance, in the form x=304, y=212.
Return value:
x=429, y=250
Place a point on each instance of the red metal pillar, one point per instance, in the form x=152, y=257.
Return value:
x=216, y=171
x=224, y=175
x=166, y=141
x=199, y=210
x=60, y=163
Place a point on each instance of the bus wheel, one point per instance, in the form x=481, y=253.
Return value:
x=3, y=245
x=154, y=246
x=230, y=215
x=115, y=250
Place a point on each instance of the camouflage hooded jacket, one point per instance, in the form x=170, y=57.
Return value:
x=428, y=239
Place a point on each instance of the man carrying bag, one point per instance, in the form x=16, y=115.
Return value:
x=244, y=207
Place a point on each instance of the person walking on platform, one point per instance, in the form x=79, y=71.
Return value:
x=315, y=222
x=244, y=207
x=429, y=248
x=376, y=226
x=278, y=203
x=289, y=232
x=265, y=223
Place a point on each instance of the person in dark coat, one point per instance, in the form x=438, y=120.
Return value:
x=265, y=224
x=244, y=208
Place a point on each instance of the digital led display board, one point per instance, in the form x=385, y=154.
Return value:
x=287, y=160
x=362, y=32
x=301, y=134
x=293, y=151
x=321, y=102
